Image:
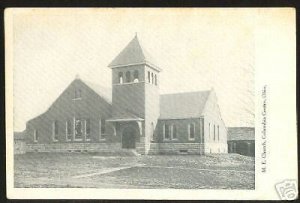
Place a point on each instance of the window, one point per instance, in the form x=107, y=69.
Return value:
x=202, y=130
x=128, y=76
x=87, y=129
x=218, y=134
x=55, y=131
x=191, y=129
x=136, y=76
x=166, y=129
x=174, y=132
x=155, y=79
x=152, y=78
x=152, y=132
x=214, y=133
x=209, y=130
x=77, y=94
x=121, y=77
x=148, y=76
x=101, y=129
x=35, y=136
x=78, y=128
x=68, y=130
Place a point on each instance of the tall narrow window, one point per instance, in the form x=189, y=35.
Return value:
x=78, y=129
x=87, y=129
x=68, y=130
x=121, y=77
x=218, y=134
x=148, y=76
x=191, y=131
x=155, y=79
x=101, y=129
x=174, y=132
x=136, y=76
x=55, y=131
x=214, y=133
x=166, y=132
x=35, y=136
x=209, y=130
x=128, y=76
x=202, y=130
x=152, y=132
x=152, y=78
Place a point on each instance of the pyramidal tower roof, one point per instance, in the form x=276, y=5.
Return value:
x=133, y=54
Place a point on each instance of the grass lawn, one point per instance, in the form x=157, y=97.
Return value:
x=228, y=171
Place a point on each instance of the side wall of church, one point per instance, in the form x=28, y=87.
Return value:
x=215, y=132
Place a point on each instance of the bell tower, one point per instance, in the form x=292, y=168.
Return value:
x=135, y=92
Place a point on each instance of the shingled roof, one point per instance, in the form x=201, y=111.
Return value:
x=241, y=133
x=132, y=54
x=183, y=105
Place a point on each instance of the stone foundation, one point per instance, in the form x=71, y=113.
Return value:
x=176, y=148
x=74, y=147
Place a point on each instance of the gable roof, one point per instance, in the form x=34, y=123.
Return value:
x=241, y=133
x=132, y=54
x=183, y=105
x=103, y=92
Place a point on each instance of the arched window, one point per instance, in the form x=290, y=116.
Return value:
x=120, y=77
x=155, y=79
x=128, y=76
x=152, y=77
x=136, y=76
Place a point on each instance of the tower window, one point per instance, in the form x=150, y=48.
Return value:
x=120, y=77
x=136, y=76
x=155, y=79
x=152, y=77
x=148, y=76
x=128, y=76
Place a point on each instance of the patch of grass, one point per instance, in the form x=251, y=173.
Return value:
x=228, y=171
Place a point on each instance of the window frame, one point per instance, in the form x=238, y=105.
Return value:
x=54, y=130
x=165, y=126
x=67, y=131
x=85, y=130
x=78, y=139
x=35, y=136
x=120, y=78
x=136, y=76
x=189, y=131
x=128, y=77
x=173, y=126
x=101, y=138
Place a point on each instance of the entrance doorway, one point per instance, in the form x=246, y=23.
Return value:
x=128, y=138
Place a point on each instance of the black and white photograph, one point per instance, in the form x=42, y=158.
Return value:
x=141, y=99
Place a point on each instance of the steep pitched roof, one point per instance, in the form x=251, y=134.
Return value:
x=241, y=133
x=183, y=105
x=133, y=53
x=103, y=92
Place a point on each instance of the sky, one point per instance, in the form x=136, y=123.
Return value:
x=197, y=49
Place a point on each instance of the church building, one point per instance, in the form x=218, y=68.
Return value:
x=136, y=119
